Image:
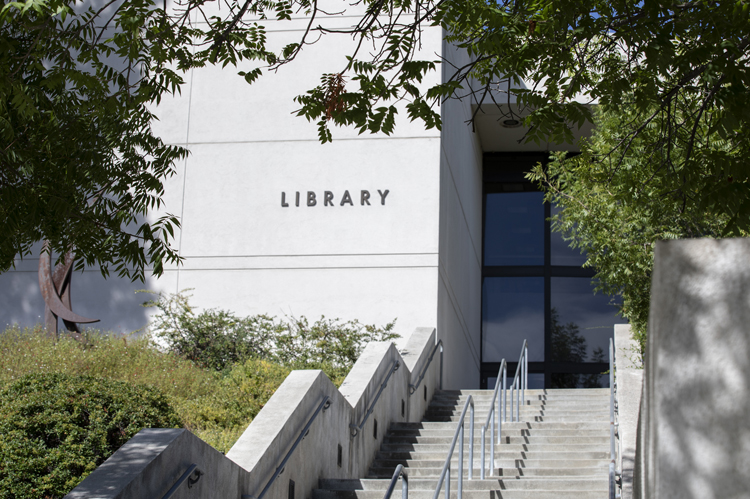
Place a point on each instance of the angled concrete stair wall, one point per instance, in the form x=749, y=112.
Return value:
x=559, y=449
x=307, y=413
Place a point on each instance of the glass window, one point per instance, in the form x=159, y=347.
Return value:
x=512, y=310
x=560, y=252
x=573, y=380
x=536, y=381
x=581, y=322
x=514, y=229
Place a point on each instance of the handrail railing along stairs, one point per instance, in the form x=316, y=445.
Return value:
x=322, y=407
x=458, y=435
x=518, y=387
x=518, y=390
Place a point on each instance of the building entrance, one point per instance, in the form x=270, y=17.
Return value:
x=535, y=288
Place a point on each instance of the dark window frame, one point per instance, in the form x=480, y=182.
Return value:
x=505, y=172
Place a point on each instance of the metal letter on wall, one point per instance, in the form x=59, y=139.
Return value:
x=55, y=288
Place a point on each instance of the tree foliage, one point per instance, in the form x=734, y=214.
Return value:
x=81, y=167
x=617, y=208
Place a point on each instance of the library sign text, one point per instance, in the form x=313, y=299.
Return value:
x=328, y=198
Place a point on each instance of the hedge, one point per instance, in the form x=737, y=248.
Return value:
x=55, y=429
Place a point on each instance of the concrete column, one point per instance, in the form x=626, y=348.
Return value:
x=694, y=439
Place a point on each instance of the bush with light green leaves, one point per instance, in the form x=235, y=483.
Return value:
x=55, y=429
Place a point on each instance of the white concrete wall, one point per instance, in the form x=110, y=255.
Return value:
x=245, y=252
x=460, y=267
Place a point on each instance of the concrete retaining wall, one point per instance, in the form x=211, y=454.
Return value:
x=152, y=461
x=694, y=430
x=629, y=373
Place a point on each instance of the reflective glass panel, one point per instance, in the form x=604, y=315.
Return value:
x=568, y=380
x=536, y=381
x=560, y=252
x=512, y=310
x=514, y=229
x=582, y=322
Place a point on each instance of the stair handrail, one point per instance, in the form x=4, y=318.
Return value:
x=356, y=428
x=413, y=388
x=612, y=455
x=502, y=374
x=458, y=436
x=322, y=407
x=191, y=475
x=520, y=382
x=400, y=472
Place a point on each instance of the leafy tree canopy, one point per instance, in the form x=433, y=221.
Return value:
x=80, y=165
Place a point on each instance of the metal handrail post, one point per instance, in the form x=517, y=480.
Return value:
x=526, y=370
x=441, y=364
x=471, y=442
x=459, y=434
x=484, y=432
x=523, y=375
x=490, y=422
x=612, y=491
x=512, y=400
x=505, y=393
x=492, y=445
x=404, y=483
x=460, y=488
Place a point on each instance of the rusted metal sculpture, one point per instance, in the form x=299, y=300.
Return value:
x=55, y=286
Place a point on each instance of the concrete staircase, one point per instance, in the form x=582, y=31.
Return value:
x=559, y=449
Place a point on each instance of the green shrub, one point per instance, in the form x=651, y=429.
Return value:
x=217, y=338
x=135, y=360
x=55, y=429
x=220, y=418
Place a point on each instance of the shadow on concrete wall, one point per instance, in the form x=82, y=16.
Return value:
x=698, y=371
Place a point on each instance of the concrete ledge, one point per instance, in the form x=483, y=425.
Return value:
x=629, y=387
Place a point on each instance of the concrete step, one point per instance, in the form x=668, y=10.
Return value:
x=499, y=455
x=501, y=463
x=524, y=398
x=595, y=429
x=520, y=425
x=468, y=494
x=602, y=412
x=569, y=394
x=508, y=472
x=602, y=440
x=528, y=418
x=527, y=402
x=544, y=391
x=513, y=483
x=414, y=438
x=559, y=449
x=529, y=409
x=443, y=448
x=529, y=405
